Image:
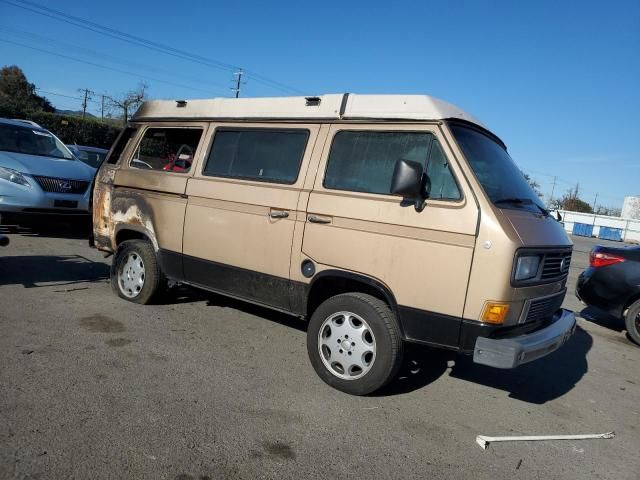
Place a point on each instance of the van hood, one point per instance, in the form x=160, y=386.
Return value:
x=536, y=230
x=46, y=166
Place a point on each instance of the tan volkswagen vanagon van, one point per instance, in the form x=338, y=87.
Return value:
x=380, y=219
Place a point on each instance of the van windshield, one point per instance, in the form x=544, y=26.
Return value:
x=32, y=141
x=496, y=171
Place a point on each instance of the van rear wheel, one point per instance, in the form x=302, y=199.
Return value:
x=135, y=272
x=354, y=344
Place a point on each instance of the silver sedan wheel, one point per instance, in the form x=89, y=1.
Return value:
x=347, y=345
x=131, y=276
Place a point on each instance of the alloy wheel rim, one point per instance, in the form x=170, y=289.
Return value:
x=132, y=276
x=347, y=345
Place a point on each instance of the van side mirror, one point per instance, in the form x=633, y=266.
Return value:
x=410, y=181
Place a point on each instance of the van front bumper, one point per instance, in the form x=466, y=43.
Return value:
x=514, y=351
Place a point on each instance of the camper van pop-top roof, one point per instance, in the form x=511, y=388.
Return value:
x=326, y=107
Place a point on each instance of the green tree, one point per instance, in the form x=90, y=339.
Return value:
x=18, y=96
x=571, y=201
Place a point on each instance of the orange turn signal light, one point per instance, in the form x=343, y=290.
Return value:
x=495, y=312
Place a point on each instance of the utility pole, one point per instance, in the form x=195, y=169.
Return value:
x=553, y=189
x=238, y=76
x=87, y=97
x=594, y=203
x=102, y=108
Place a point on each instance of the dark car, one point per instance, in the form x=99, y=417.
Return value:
x=92, y=156
x=612, y=283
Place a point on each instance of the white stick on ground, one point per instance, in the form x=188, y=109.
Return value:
x=484, y=441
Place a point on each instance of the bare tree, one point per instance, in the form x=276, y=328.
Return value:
x=128, y=102
x=535, y=186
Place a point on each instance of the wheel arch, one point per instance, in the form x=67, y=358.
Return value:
x=125, y=232
x=329, y=283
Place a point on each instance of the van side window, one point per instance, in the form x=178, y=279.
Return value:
x=121, y=144
x=167, y=149
x=257, y=154
x=363, y=161
x=443, y=185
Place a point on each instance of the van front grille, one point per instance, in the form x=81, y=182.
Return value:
x=539, y=309
x=556, y=265
x=61, y=185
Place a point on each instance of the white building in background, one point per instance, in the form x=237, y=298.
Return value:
x=631, y=208
x=589, y=224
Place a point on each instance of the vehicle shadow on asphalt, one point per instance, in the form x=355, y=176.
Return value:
x=604, y=319
x=538, y=382
x=73, y=228
x=43, y=270
x=181, y=293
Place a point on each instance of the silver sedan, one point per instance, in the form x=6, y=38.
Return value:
x=38, y=173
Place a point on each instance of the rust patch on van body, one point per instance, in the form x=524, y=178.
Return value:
x=115, y=209
x=102, y=224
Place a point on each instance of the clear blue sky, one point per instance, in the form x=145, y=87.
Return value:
x=558, y=81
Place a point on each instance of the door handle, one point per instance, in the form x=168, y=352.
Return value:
x=278, y=214
x=318, y=219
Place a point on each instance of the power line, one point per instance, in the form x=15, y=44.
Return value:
x=554, y=180
x=94, y=54
x=102, y=66
x=57, y=94
x=123, y=36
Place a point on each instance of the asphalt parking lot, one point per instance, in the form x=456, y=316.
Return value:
x=202, y=387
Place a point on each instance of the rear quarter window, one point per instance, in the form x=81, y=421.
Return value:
x=266, y=155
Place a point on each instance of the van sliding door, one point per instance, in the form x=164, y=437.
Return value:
x=242, y=210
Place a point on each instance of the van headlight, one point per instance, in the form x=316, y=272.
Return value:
x=13, y=176
x=526, y=267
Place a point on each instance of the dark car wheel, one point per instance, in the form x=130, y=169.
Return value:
x=632, y=321
x=354, y=344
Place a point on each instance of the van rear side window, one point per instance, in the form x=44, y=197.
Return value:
x=257, y=154
x=167, y=149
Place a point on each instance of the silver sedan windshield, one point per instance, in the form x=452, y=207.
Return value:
x=32, y=141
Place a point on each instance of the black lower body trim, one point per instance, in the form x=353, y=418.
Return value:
x=430, y=328
x=171, y=264
x=268, y=290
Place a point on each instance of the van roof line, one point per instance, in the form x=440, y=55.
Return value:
x=344, y=106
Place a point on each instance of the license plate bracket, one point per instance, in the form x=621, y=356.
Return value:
x=65, y=203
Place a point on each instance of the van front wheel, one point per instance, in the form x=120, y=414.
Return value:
x=354, y=344
x=135, y=272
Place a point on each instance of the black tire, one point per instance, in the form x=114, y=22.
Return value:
x=632, y=321
x=382, y=322
x=153, y=281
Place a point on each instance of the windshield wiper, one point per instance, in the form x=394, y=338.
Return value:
x=522, y=201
